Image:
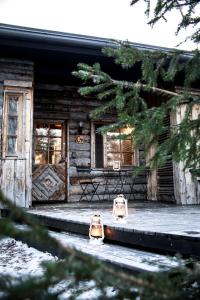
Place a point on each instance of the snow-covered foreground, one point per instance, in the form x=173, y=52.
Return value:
x=17, y=259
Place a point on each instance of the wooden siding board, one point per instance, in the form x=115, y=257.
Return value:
x=8, y=178
x=19, y=181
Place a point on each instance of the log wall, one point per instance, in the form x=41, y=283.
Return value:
x=64, y=103
x=14, y=69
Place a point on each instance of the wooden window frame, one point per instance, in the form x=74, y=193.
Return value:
x=20, y=129
x=135, y=152
x=62, y=138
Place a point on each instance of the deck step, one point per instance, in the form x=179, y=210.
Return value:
x=182, y=242
x=132, y=260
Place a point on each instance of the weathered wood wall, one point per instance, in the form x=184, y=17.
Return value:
x=16, y=77
x=64, y=103
x=15, y=69
x=187, y=189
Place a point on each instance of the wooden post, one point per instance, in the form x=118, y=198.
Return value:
x=152, y=182
x=185, y=187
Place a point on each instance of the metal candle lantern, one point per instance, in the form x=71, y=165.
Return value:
x=96, y=231
x=120, y=209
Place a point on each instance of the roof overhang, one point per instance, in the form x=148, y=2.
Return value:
x=64, y=49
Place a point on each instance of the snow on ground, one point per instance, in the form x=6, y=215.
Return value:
x=17, y=259
x=129, y=258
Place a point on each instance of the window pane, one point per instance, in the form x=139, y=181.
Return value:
x=113, y=146
x=41, y=129
x=111, y=135
x=11, y=145
x=54, y=157
x=13, y=105
x=41, y=144
x=55, y=144
x=56, y=129
x=12, y=126
x=111, y=157
x=126, y=145
x=127, y=159
x=41, y=157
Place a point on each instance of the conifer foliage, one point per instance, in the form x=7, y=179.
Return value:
x=159, y=72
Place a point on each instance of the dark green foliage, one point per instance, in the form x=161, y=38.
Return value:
x=148, y=123
x=159, y=72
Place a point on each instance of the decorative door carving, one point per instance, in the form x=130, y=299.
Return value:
x=49, y=174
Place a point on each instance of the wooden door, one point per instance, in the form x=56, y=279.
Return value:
x=49, y=169
x=15, y=173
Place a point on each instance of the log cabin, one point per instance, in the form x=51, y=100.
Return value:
x=47, y=136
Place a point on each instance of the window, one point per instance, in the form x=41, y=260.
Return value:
x=110, y=148
x=48, y=142
x=13, y=141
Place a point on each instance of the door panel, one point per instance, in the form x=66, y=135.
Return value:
x=49, y=170
x=16, y=156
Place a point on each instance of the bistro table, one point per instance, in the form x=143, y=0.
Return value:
x=116, y=182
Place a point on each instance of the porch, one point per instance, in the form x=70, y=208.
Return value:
x=154, y=226
x=65, y=140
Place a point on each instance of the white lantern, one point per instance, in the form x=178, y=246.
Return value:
x=116, y=165
x=120, y=209
x=96, y=231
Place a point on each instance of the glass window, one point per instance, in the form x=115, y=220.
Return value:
x=119, y=149
x=111, y=148
x=48, y=142
x=12, y=124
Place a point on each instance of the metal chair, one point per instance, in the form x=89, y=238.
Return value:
x=88, y=184
x=133, y=182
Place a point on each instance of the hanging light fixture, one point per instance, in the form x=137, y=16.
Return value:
x=120, y=209
x=80, y=127
x=96, y=231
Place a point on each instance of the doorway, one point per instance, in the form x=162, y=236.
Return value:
x=49, y=164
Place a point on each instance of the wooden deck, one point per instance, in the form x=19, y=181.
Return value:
x=155, y=226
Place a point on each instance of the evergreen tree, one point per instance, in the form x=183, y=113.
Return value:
x=158, y=74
